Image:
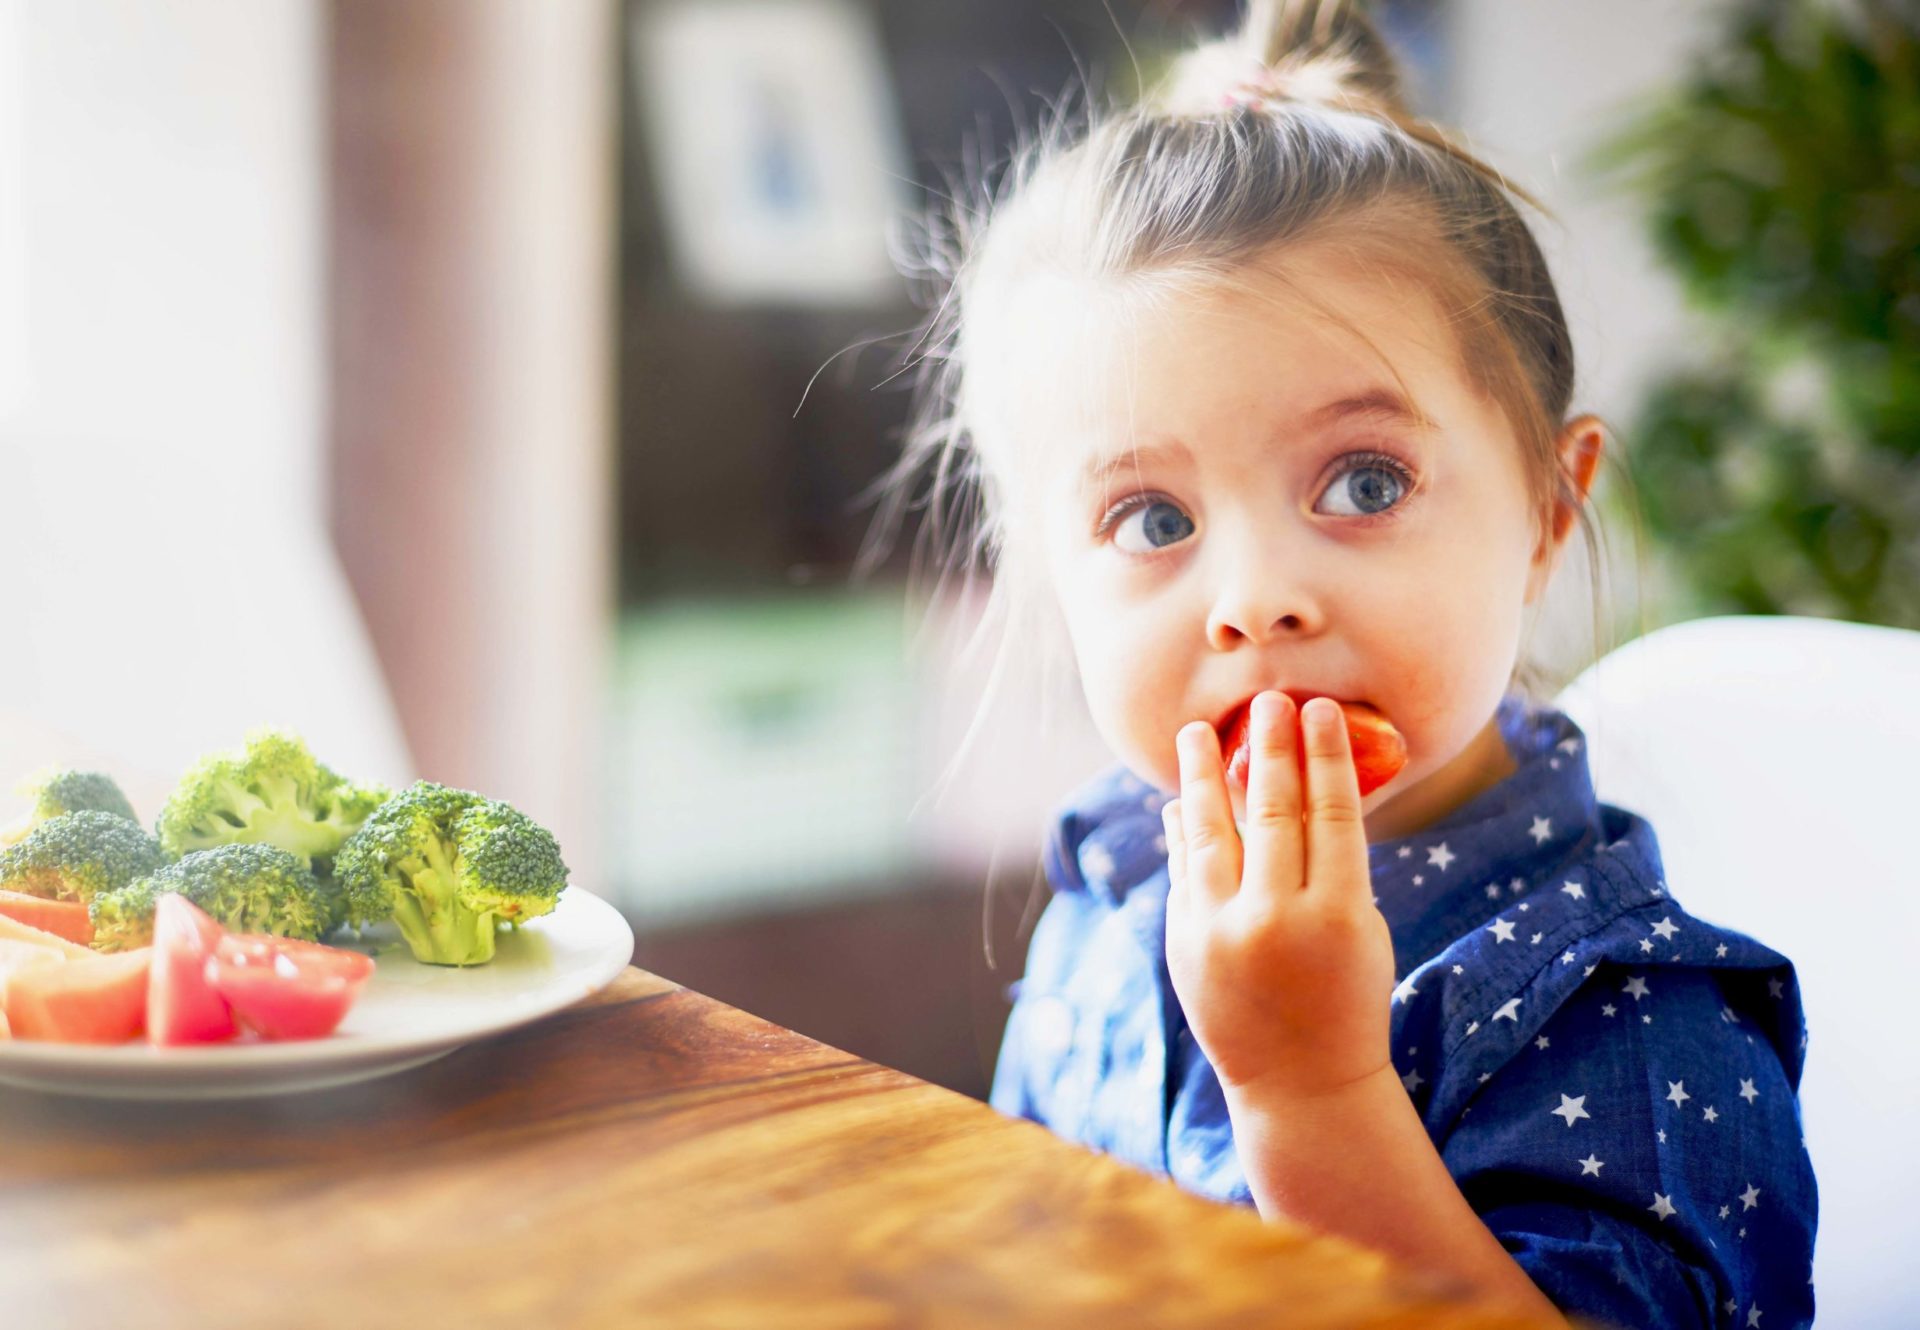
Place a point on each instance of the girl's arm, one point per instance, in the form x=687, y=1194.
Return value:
x=1357, y=1161
x=1284, y=968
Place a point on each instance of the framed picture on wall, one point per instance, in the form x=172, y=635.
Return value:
x=776, y=148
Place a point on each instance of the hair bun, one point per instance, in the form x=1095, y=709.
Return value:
x=1320, y=51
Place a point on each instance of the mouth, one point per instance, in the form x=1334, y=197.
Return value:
x=1378, y=761
x=1231, y=726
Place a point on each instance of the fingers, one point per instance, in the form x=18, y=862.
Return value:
x=1275, y=839
x=1336, y=834
x=1210, y=845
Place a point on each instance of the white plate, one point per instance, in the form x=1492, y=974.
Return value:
x=408, y=1014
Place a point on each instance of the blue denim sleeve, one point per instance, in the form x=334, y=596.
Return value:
x=1642, y=1157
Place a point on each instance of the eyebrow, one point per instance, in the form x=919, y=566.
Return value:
x=1379, y=404
x=1382, y=404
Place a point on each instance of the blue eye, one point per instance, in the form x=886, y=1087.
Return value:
x=1372, y=485
x=1151, y=525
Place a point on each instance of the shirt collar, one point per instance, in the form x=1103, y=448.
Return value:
x=1498, y=847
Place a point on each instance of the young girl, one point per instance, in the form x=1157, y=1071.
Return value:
x=1266, y=388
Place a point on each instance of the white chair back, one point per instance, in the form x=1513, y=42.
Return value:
x=1778, y=760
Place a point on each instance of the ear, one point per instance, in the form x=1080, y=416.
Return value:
x=1581, y=442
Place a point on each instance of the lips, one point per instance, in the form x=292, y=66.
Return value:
x=1379, y=750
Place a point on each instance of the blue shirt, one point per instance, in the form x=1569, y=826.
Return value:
x=1610, y=1080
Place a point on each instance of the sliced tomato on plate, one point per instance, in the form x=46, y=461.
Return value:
x=182, y=1007
x=67, y=919
x=98, y=1000
x=283, y=988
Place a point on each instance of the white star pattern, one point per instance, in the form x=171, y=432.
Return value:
x=1575, y=890
x=1609, y=1009
x=1726, y=1210
x=1509, y=1011
x=1753, y=1315
x=1418, y=880
x=1405, y=990
x=1473, y=1026
x=1493, y=891
x=1747, y=1092
x=1750, y=1197
x=1517, y=886
x=1501, y=929
x=1775, y=988
x=1440, y=856
x=1710, y=1115
x=1636, y=986
x=1541, y=829
x=1572, y=1109
x=1677, y=1093
x=1541, y=1043
x=1665, y=929
x=1097, y=862
x=1720, y=952
x=1568, y=746
x=1663, y=1137
x=1567, y=958
x=1406, y=851
x=1646, y=944
x=1413, y=1081
x=1535, y=939
x=1662, y=1206
x=1459, y=969
x=1591, y=1165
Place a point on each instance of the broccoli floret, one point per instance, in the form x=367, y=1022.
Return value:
x=57, y=792
x=273, y=792
x=448, y=867
x=77, y=856
x=248, y=888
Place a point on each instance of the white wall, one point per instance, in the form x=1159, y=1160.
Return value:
x=1534, y=88
x=168, y=579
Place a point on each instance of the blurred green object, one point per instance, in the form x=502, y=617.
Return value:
x=1780, y=468
x=762, y=753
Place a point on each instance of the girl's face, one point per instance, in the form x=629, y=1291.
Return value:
x=1243, y=496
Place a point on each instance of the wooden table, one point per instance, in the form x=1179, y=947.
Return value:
x=650, y=1157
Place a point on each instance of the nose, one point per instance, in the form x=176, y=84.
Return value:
x=1263, y=598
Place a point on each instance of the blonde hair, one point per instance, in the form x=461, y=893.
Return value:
x=1292, y=130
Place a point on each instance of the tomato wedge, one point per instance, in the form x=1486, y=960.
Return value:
x=182, y=1008
x=67, y=919
x=1379, y=751
x=283, y=988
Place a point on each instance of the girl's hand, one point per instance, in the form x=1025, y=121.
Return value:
x=1281, y=961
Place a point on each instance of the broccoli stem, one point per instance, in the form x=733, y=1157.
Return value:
x=438, y=928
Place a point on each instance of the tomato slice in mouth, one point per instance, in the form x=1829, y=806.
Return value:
x=1379, y=750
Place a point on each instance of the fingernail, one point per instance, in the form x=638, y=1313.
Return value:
x=1322, y=711
x=1268, y=709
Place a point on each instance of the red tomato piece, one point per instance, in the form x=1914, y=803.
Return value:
x=182, y=1007
x=67, y=919
x=98, y=1000
x=1379, y=751
x=283, y=988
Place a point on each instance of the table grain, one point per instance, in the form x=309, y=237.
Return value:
x=649, y=1157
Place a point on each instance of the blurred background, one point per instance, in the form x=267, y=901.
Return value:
x=488, y=389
